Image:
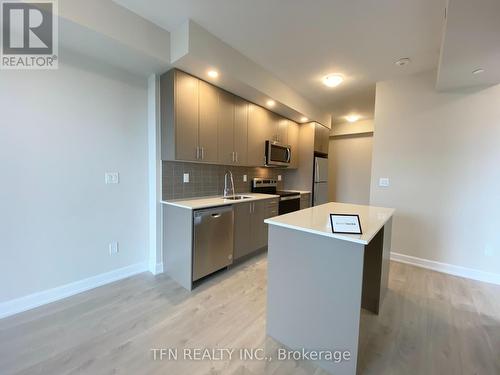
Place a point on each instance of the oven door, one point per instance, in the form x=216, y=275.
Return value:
x=277, y=154
x=289, y=204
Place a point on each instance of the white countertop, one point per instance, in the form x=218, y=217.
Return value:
x=205, y=202
x=316, y=220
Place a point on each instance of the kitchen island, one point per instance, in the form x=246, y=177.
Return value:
x=318, y=281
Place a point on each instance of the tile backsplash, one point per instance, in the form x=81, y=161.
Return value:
x=208, y=179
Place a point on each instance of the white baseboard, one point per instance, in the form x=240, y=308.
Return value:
x=468, y=273
x=41, y=298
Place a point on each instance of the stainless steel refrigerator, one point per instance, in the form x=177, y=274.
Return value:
x=320, y=186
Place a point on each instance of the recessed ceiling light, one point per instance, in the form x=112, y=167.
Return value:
x=402, y=62
x=478, y=71
x=304, y=119
x=352, y=118
x=333, y=80
x=213, y=73
x=270, y=103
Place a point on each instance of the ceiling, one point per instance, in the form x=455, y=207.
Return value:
x=471, y=41
x=301, y=41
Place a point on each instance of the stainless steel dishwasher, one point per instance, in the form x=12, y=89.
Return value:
x=213, y=240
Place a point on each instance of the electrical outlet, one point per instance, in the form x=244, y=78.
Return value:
x=279, y=177
x=111, y=177
x=185, y=178
x=113, y=248
x=245, y=179
x=383, y=182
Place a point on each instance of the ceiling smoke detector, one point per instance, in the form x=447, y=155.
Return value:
x=403, y=62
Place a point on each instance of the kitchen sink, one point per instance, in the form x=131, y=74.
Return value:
x=237, y=197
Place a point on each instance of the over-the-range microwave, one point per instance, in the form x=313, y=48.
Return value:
x=277, y=154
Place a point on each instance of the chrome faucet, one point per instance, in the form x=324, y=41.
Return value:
x=228, y=191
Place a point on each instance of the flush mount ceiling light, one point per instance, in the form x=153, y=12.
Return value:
x=402, y=62
x=333, y=80
x=352, y=118
x=270, y=103
x=213, y=73
x=303, y=119
x=478, y=71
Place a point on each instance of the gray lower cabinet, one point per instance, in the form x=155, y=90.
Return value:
x=305, y=200
x=250, y=231
x=242, y=213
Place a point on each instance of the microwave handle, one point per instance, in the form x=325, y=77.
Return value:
x=288, y=154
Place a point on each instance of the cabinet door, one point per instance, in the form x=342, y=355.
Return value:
x=242, y=244
x=226, y=128
x=257, y=133
x=283, y=131
x=273, y=125
x=258, y=229
x=305, y=201
x=208, y=125
x=321, y=138
x=293, y=141
x=186, y=116
x=241, y=131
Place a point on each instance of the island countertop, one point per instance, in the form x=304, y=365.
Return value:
x=316, y=220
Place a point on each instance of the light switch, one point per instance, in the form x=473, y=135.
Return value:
x=383, y=182
x=186, y=178
x=111, y=177
x=245, y=178
x=113, y=248
x=279, y=177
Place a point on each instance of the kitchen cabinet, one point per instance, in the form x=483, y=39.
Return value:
x=293, y=141
x=321, y=138
x=250, y=231
x=305, y=200
x=226, y=128
x=233, y=129
x=184, y=112
x=259, y=130
x=208, y=122
x=202, y=123
x=240, y=131
x=189, y=118
x=282, y=131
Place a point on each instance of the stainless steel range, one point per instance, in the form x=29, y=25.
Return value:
x=289, y=200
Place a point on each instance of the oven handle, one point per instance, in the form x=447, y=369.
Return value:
x=289, y=198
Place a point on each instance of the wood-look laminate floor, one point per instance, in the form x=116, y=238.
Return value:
x=430, y=323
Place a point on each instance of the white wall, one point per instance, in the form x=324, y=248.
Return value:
x=59, y=132
x=441, y=152
x=349, y=163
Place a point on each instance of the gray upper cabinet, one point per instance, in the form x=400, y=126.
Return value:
x=241, y=131
x=233, y=129
x=258, y=133
x=293, y=141
x=282, y=131
x=226, y=128
x=202, y=123
x=208, y=122
x=179, y=116
x=321, y=138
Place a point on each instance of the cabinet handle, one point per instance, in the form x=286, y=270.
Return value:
x=197, y=152
x=203, y=153
x=232, y=156
x=236, y=153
